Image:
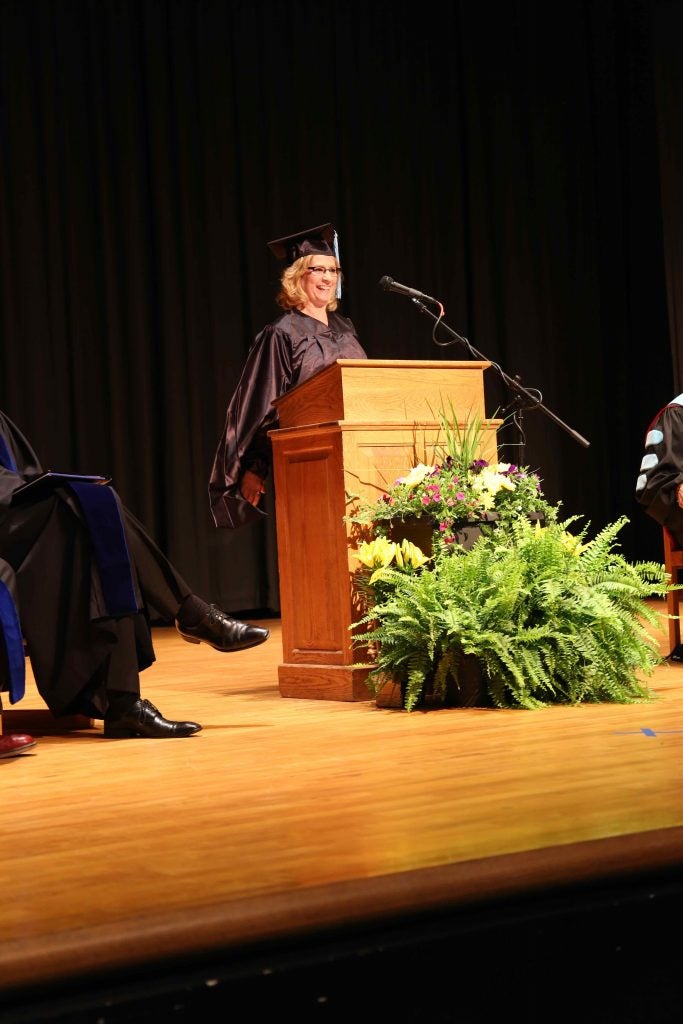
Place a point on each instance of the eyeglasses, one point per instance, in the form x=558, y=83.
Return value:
x=319, y=271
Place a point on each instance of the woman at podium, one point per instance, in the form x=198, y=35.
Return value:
x=308, y=336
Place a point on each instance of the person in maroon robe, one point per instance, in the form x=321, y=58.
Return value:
x=308, y=336
x=83, y=578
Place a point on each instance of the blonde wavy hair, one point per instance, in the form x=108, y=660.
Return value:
x=291, y=294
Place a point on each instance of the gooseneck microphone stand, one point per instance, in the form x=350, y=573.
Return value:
x=522, y=398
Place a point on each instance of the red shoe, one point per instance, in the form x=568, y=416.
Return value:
x=15, y=743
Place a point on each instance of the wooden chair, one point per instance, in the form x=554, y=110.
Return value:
x=673, y=562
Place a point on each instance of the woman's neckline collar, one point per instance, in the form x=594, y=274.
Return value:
x=309, y=316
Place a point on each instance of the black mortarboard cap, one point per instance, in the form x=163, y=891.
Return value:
x=321, y=240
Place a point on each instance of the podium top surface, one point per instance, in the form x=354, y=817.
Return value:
x=386, y=390
x=342, y=364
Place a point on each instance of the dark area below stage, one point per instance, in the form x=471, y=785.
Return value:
x=600, y=955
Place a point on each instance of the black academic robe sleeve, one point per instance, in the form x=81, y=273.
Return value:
x=285, y=353
x=18, y=461
x=661, y=469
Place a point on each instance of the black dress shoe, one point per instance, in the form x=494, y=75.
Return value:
x=143, y=719
x=223, y=632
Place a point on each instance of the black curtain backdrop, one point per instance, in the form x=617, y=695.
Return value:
x=519, y=161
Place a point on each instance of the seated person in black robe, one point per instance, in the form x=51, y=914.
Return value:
x=659, y=487
x=86, y=577
x=306, y=338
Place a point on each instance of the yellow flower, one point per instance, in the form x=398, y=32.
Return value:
x=573, y=543
x=412, y=555
x=376, y=553
x=406, y=556
x=567, y=539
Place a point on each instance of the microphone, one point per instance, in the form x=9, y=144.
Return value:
x=389, y=285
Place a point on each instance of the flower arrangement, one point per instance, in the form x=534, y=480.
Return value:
x=449, y=495
x=460, y=487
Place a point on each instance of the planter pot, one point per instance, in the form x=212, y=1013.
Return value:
x=420, y=529
x=469, y=692
x=417, y=529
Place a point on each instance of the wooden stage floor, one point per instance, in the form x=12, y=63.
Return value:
x=292, y=848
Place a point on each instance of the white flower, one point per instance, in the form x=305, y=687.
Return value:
x=416, y=475
x=492, y=481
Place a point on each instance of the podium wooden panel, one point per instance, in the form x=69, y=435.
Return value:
x=346, y=433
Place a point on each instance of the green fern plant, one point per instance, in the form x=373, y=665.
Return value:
x=551, y=617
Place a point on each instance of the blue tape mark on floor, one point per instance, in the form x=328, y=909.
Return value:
x=647, y=732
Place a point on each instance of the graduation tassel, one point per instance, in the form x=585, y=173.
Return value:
x=335, y=246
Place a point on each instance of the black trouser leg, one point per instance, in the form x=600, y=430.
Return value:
x=162, y=587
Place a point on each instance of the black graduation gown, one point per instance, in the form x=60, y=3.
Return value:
x=78, y=648
x=286, y=353
x=661, y=469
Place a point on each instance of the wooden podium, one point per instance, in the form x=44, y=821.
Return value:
x=345, y=433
